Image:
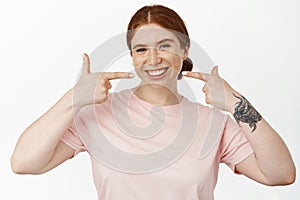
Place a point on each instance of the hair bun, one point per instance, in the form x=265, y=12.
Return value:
x=187, y=65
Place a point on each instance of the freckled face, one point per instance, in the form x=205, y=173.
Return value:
x=157, y=55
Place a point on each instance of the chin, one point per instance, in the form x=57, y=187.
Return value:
x=160, y=84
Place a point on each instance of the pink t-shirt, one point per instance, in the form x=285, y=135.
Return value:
x=145, y=152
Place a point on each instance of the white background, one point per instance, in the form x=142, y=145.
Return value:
x=255, y=43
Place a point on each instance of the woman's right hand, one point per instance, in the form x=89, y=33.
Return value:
x=92, y=88
x=39, y=148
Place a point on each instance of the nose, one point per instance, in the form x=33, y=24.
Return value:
x=153, y=57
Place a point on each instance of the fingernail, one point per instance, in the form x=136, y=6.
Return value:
x=184, y=73
x=131, y=75
x=83, y=56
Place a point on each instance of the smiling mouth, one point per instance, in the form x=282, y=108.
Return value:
x=157, y=73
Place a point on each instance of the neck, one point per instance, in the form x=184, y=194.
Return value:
x=158, y=95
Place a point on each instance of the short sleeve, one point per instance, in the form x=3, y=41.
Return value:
x=234, y=145
x=72, y=139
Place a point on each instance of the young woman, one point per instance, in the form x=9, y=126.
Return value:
x=167, y=147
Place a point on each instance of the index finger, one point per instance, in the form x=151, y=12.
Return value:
x=116, y=75
x=198, y=75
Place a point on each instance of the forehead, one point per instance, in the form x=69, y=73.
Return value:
x=150, y=34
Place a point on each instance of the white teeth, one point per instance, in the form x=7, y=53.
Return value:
x=156, y=72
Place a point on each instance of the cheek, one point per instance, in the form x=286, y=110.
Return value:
x=176, y=63
x=137, y=61
x=137, y=64
x=175, y=58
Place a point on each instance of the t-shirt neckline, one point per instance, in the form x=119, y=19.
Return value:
x=148, y=104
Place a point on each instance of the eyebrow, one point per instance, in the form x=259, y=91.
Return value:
x=159, y=42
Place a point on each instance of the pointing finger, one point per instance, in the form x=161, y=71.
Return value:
x=116, y=75
x=214, y=71
x=85, y=64
x=197, y=75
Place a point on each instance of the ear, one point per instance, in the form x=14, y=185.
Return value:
x=186, y=52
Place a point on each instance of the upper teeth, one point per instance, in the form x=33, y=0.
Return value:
x=156, y=72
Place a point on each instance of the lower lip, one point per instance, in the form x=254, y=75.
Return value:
x=159, y=76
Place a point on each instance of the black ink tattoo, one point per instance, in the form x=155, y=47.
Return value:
x=244, y=112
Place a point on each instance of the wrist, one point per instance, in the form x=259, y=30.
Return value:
x=232, y=101
x=244, y=112
x=72, y=104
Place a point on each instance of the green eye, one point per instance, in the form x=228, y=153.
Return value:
x=164, y=46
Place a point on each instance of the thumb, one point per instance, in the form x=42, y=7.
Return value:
x=85, y=64
x=214, y=71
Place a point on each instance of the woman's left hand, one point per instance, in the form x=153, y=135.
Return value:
x=218, y=92
x=271, y=163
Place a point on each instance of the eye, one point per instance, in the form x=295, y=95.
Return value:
x=164, y=46
x=141, y=50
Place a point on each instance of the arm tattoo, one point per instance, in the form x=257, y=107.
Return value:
x=244, y=112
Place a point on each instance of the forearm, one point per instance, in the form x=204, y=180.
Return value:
x=272, y=155
x=37, y=143
x=272, y=158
